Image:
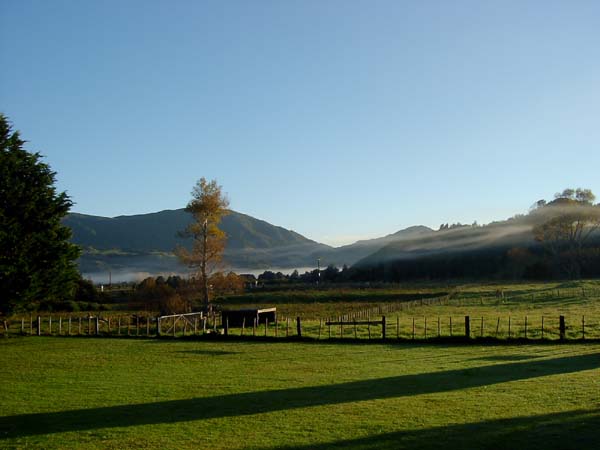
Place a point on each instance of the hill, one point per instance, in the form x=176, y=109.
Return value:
x=507, y=249
x=350, y=254
x=145, y=242
x=503, y=249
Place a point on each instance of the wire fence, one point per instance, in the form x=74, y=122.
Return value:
x=359, y=326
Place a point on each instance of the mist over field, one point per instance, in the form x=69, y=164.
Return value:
x=134, y=247
x=126, y=276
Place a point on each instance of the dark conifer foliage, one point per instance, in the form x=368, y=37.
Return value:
x=37, y=261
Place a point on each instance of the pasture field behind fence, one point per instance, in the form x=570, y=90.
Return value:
x=511, y=311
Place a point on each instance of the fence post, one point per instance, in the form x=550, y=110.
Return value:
x=467, y=327
x=69, y=325
x=226, y=328
x=383, y=327
x=22, y=326
x=97, y=325
x=157, y=326
x=59, y=325
x=39, y=326
x=562, y=328
x=298, y=326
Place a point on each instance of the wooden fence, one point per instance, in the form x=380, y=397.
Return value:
x=98, y=325
x=398, y=327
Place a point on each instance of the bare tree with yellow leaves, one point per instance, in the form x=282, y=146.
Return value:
x=207, y=206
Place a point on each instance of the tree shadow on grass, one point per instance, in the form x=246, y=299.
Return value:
x=565, y=430
x=208, y=352
x=506, y=358
x=231, y=405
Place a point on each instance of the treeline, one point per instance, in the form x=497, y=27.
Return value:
x=516, y=263
x=176, y=294
x=84, y=297
x=564, y=243
x=504, y=263
x=167, y=295
x=330, y=274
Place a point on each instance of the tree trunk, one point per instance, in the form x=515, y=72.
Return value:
x=205, y=299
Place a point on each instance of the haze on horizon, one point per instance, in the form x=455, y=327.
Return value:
x=335, y=119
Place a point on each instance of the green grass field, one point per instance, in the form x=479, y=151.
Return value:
x=573, y=298
x=416, y=311
x=141, y=393
x=518, y=313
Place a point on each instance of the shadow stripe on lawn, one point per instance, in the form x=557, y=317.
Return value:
x=231, y=405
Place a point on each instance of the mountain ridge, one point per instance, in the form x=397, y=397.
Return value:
x=145, y=242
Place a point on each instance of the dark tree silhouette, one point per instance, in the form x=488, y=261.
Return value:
x=37, y=261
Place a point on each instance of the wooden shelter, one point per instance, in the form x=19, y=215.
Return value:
x=239, y=317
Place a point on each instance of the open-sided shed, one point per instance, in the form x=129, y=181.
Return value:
x=237, y=318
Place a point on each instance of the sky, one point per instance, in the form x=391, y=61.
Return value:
x=341, y=120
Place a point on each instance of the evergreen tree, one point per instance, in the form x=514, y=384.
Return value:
x=37, y=261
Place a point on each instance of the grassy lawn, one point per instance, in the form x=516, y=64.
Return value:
x=137, y=393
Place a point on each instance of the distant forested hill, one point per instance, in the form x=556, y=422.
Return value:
x=145, y=242
x=351, y=253
x=503, y=249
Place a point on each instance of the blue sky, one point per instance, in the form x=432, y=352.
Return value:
x=338, y=119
